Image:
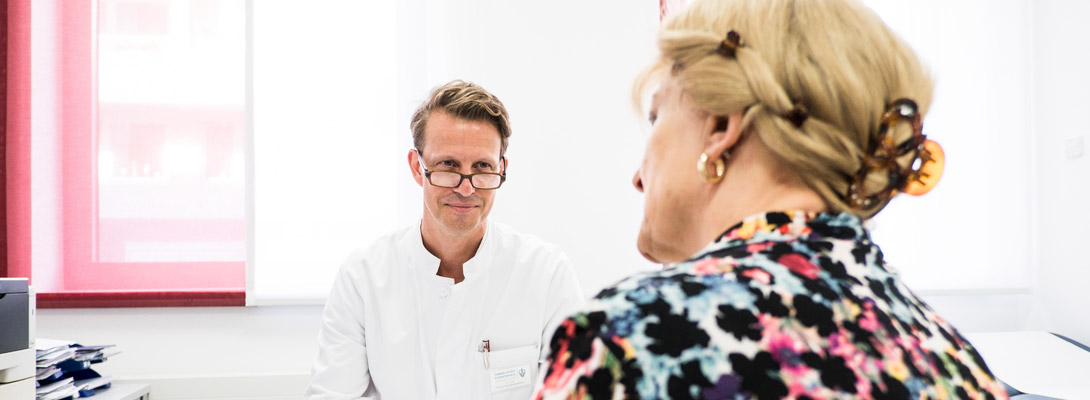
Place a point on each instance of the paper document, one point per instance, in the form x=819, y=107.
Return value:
x=55, y=358
x=48, y=344
x=54, y=386
x=56, y=390
x=93, y=383
x=50, y=372
x=1035, y=362
x=67, y=392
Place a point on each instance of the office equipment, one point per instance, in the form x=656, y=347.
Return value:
x=16, y=339
x=1036, y=363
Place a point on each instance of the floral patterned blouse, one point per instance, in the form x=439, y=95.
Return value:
x=783, y=305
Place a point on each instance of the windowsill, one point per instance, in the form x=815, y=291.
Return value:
x=118, y=299
x=264, y=300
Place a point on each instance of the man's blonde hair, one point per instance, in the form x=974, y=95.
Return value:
x=836, y=57
x=463, y=100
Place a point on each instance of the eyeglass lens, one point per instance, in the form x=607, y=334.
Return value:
x=452, y=179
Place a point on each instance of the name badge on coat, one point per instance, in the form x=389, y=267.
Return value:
x=512, y=368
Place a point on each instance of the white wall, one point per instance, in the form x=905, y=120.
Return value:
x=565, y=72
x=1061, y=107
x=1059, y=186
x=999, y=311
x=955, y=41
x=563, y=69
x=1037, y=173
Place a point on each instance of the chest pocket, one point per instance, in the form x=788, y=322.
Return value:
x=512, y=372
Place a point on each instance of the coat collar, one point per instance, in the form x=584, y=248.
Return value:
x=427, y=263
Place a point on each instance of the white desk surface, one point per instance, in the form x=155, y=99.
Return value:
x=123, y=391
x=1035, y=362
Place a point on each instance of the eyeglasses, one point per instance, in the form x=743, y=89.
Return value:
x=451, y=179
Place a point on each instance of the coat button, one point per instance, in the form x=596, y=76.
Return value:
x=444, y=292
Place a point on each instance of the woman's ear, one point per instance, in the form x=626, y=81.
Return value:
x=722, y=132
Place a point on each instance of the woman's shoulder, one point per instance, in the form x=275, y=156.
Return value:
x=671, y=306
x=670, y=289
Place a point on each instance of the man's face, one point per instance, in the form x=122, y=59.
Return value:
x=466, y=147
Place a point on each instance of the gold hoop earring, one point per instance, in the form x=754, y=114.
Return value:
x=720, y=167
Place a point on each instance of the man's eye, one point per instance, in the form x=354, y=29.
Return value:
x=446, y=163
x=484, y=165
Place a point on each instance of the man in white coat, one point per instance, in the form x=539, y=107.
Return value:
x=457, y=306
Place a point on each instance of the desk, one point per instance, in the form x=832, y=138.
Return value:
x=124, y=391
x=1035, y=362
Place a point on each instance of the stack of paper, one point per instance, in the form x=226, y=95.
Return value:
x=57, y=390
x=52, y=353
x=64, y=369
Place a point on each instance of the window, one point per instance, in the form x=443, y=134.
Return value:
x=149, y=96
x=171, y=127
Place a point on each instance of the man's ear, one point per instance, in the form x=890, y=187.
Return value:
x=414, y=167
x=722, y=133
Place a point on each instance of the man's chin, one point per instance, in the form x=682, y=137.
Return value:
x=463, y=222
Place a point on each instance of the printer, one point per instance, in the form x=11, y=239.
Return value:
x=17, y=356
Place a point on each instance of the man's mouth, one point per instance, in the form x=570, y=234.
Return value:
x=462, y=208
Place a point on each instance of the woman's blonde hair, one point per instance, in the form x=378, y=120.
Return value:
x=835, y=57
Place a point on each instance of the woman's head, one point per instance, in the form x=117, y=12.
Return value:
x=797, y=95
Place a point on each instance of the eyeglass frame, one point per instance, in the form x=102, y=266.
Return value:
x=462, y=177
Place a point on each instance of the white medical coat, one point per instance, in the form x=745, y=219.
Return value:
x=517, y=289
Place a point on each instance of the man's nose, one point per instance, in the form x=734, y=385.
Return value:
x=637, y=182
x=465, y=188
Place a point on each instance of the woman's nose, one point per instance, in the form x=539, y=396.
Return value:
x=637, y=182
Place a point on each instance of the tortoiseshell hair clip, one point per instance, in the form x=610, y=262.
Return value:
x=797, y=115
x=921, y=175
x=729, y=46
